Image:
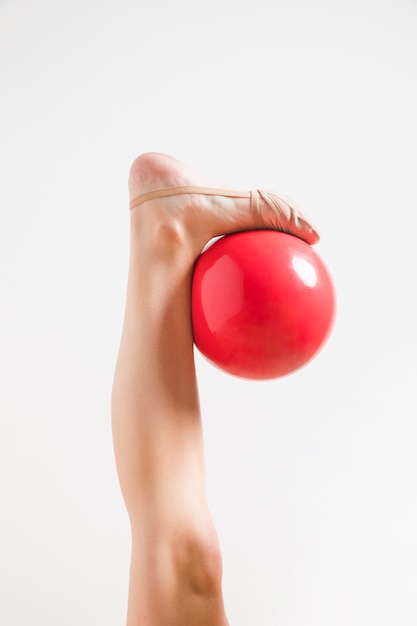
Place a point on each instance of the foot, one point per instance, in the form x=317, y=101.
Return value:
x=204, y=216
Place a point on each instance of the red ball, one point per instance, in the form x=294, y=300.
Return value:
x=263, y=304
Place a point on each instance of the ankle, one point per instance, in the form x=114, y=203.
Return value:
x=157, y=235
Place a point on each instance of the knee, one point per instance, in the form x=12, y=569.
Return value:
x=178, y=572
x=198, y=560
x=185, y=557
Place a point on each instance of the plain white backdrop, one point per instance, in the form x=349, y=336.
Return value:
x=311, y=478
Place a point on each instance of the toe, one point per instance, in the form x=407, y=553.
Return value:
x=288, y=219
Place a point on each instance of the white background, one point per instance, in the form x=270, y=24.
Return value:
x=312, y=478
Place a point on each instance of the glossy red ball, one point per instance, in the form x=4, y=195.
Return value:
x=263, y=304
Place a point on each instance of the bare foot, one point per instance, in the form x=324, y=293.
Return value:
x=208, y=216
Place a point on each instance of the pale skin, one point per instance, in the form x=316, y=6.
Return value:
x=176, y=565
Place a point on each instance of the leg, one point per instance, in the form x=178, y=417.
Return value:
x=175, y=577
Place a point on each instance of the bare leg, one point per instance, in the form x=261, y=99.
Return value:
x=176, y=569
